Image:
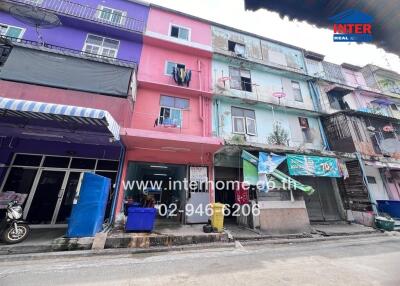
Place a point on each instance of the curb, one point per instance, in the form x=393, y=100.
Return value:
x=163, y=249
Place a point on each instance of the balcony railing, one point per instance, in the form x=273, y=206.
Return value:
x=70, y=52
x=77, y=10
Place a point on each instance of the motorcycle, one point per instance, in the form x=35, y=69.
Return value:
x=12, y=228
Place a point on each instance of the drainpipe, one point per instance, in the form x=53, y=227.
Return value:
x=315, y=100
x=118, y=181
x=364, y=174
x=216, y=116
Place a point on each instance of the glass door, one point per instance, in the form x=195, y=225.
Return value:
x=44, y=198
x=66, y=198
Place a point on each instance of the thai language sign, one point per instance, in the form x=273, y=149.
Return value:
x=301, y=165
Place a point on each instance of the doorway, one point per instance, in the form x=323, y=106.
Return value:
x=50, y=184
x=158, y=185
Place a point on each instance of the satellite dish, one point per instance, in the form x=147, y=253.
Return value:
x=279, y=95
x=36, y=17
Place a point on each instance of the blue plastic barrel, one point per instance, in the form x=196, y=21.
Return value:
x=140, y=219
x=389, y=207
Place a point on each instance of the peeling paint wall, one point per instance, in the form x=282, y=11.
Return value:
x=326, y=107
x=259, y=50
x=265, y=84
x=265, y=116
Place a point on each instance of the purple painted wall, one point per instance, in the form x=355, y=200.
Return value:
x=73, y=32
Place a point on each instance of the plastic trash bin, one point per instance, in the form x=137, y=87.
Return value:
x=384, y=223
x=140, y=219
x=217, y=219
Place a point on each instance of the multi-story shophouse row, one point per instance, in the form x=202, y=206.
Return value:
x=263, y=102
x=361, y=107
x=169, y=138
x=67, y=82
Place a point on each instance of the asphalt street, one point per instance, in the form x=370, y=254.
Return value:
x=361, y=261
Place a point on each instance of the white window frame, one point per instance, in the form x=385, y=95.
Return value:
x=166, y=66
x=100, y=54
x=123, y=15
x=35, y=2
x=171, y=108
x=180, y=27
x=244, y=125
x=247, y=124
x=23, y=30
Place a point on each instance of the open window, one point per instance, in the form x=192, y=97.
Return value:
x=238, y=49
x=180, y=32
x=171, y=111
x=244, y=121
x=169, y=67
x=297, y=91
x=305, y=130
x=240, y=79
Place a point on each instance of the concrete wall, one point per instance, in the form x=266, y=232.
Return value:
x=147, y=110
x=222, y=123
x=284, y=217
x=72, y=33
x=378, y=189
x=264, y=85
x=153, y=67
x=159, y=23
x=259, y=50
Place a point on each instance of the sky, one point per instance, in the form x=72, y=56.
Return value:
x=269, y=24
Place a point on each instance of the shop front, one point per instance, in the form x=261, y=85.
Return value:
x=170, y=172
x=44, y=149
x=301, y=188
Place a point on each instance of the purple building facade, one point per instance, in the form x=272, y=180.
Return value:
x=65, y=89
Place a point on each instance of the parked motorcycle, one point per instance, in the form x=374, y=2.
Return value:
x=12, y=228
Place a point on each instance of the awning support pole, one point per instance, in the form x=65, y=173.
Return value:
x=118, y=181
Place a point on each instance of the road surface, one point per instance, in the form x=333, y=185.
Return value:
x=362, y=261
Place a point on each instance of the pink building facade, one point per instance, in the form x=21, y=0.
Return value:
x=169, y=135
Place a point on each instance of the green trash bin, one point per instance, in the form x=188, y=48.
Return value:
x=384, y=223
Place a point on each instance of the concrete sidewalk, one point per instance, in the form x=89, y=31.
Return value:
x=170, y=236
x=39, y=240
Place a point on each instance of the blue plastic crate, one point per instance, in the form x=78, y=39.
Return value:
x=140, y=219
x=389, y=207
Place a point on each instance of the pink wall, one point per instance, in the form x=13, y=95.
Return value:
x=153, y=65
x=147, y=110
x=119, y=108
x=159, y=22
x=354, y=78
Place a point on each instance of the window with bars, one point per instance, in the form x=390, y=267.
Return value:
x=244, y=121
x=101, y=46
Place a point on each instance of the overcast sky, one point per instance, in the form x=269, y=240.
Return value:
x=269, y=24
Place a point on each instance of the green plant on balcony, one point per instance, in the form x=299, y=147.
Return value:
x=278, y=136
x=238, y=139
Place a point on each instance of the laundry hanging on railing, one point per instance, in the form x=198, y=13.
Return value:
x=182, y=76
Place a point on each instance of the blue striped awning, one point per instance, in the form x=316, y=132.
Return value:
x=59, y=112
